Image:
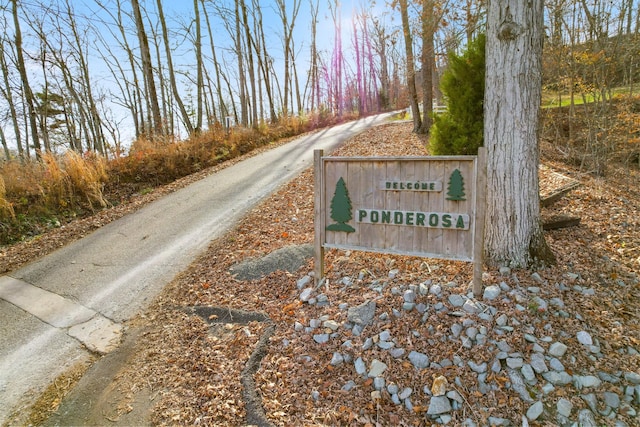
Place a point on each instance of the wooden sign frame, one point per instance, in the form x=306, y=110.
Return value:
x=428, y=206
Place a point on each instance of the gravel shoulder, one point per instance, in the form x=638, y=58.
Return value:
x=391, y=340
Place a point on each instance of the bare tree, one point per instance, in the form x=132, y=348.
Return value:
x=26, y=88
x=410, y=66
x=147, y=69
x=186, y=120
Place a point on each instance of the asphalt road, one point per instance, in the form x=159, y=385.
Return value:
x=58, y=310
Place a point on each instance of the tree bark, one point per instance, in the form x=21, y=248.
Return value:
x=428, y=59
x=22, y=69
x=147, y=69
x=186, y=120
x=513, y=233
x=410, y=68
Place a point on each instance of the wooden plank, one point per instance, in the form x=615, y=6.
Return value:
x=407, y=198
x=318, y=214
x=561, y=221
x=479, y=214
x=558, y=194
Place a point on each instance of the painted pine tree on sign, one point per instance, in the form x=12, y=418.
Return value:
x=341, y=209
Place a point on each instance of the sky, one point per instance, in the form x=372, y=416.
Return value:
x=179, y=15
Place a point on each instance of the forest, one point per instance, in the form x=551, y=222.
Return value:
x=106, y=95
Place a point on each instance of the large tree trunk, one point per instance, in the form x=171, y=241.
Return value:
x=513, y=233
x=411, y=69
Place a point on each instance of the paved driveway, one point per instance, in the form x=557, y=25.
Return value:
x=58, y=309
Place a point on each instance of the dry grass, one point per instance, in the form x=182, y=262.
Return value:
x=38, y=195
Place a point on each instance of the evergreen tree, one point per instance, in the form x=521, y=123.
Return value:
x=460, y=129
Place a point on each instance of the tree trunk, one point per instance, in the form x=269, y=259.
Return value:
x=147, y=69
x=410, y=68
x=172, y=75
x=22, y=69
x=428, y=59
x=513, y=232
x=8, y=95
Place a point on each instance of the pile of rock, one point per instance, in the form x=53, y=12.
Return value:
x=533, y=372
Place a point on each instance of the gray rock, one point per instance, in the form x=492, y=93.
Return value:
x=337, y=359
x=306, y=294
x=582, y=381
x=556, y=364
x=528, y=374
x=456, y=300
x=472, y=332
x=376, y=369
x=385, y=345
x=604, y=376
x=478, y=368
x=408, y=404
x=321, y=338
x=360, y=366
x=454, y=395
x=564, y=407
x=397, y=353
x=362, y=314
x=435, y=289
x=439, y=405
x=497, y=421
x=535, y=411
x=584, y=338
x=586, y=419
x=491, y=292
x=537, y=278
x=611, y=399
x=538, y=363
x=557, y=378
x=349, y=385
x=515, y=362
x=409, y=296
x=591, y=400
x=393, y=388
x=456, y=329
x=331, y=324
x=632, y=377
x=302, y=282
x=517, y=383
x=405, y=393
x=557, y=349
x=419, y=360
x=408, y=306
x=368, y=343
x=378, y=383
x=504, y=347
x=504, y=271
x=471, y=306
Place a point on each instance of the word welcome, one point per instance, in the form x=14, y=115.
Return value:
x=412, y=185
x=417, y=219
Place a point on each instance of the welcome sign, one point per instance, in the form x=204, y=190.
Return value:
x=422, y=206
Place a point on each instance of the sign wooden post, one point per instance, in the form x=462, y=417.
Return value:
x=430, y=207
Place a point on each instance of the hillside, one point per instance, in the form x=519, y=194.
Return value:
x=547, y=347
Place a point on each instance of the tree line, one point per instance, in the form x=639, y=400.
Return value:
x=68, y=70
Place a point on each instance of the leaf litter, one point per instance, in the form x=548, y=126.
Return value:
x=193, y=369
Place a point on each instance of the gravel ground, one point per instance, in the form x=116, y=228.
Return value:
x=392, y=340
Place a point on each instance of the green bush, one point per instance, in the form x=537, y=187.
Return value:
x=460, y=129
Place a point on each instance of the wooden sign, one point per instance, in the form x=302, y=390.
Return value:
x=422, y=206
